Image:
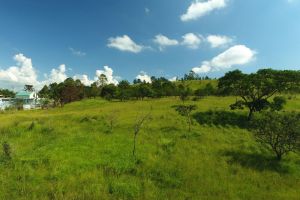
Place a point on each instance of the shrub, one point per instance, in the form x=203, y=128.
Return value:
x=167, y=144
x=31, y=126
x=6, y=150
x=278, y=103
x=221, y=118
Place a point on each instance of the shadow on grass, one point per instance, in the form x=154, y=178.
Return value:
x=221, y=118
x=256, y=161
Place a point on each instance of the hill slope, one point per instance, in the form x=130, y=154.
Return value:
x=199, y=84
x=70, y=153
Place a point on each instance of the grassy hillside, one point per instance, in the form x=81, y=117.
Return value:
x=199, y=84
x=70, y=153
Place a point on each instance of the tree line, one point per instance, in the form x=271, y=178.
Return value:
x=7, y=93
x=73, y=90
x=254, y=89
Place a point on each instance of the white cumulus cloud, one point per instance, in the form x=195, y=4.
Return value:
x=236, y=55
x=84, y=79
x=191, y=40
x=16, y=77
x=144, y=77
x=108, y=72
x=124, y=43
x=57, y=75
x=218, y=40
x=199, y=9
x=19, y=75
x=164, y=41
x=173, y=79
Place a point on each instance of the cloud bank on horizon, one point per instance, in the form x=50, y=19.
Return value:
x=15, y=77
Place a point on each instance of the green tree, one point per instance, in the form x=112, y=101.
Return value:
x=71, y=91
x=54, y=92
x=143, y=90
x=162, y=87
x=186, y=110
x=94, y=91
x=123, y=91
x=278, y=103
x=45, y=103
x=137, y=81
x=7, y=93
x=280, y=133
x=191, y=76
x=102, y=80
x=257, y=88
x=44, y=92
x=184, y=92
x=208, y=90
x=109, y=91
x=29, y=88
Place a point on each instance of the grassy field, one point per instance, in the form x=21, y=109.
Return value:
x=71, y=153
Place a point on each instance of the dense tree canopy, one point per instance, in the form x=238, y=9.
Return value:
x=208, y=90
x=256, y=89
x=29, y=88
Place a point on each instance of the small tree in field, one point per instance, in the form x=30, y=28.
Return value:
x=279, y=132
x=112, y=119
x=186, y=110
x=102, y=80
x=184, y=92
x=137, y=127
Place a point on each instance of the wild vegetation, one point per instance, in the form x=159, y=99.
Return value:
x=183, y=141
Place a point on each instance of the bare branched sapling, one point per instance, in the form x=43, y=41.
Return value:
x=112, y=119
x=137, y=127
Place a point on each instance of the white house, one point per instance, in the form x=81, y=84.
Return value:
x=30, y=100
x=5, y=103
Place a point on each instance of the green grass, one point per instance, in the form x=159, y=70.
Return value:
x=199, y=84
x=71, y=153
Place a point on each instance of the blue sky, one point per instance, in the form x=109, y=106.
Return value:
x=42, y=41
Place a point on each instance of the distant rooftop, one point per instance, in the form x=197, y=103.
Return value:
x=23, y=93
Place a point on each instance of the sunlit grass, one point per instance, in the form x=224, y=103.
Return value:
x=69, y=153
